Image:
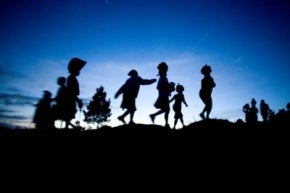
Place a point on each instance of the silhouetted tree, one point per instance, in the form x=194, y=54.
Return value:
x=98, y=109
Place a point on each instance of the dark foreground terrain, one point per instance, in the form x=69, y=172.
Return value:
x=210, y=133
x=216, y=154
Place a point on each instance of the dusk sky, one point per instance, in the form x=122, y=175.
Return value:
x=246, y=42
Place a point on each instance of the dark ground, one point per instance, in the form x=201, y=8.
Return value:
x=212, y=155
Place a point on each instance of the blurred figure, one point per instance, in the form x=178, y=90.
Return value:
x=42, y=116
x=207, y=84
x=178, y=100
x=164, y=91
x=74, y=67
x=264, y=110
x=61, y=106
x=130, y=92
x=246, y=110
x=253, y=117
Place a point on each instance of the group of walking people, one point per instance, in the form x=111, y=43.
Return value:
x=67, y=101
x=131, y=88
x=251, y=111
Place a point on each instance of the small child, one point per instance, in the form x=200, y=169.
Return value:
x=179, y=99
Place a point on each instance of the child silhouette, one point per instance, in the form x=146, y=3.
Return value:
x=178, y=100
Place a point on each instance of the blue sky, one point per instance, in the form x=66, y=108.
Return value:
x=246, y=42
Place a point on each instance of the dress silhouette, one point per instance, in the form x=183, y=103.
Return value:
x=164, y=91
x=74, y=67
x=178, y=100
x=207, y=85
x=42, y=116
x=130, y=92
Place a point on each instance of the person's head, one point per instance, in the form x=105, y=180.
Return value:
x=253, y=102
x=61, y=81
x=46, y=94
x=133, y=73
x=206, y=69
x=246, y=106
x=162, y=68
x=179, y=88
x=75, y=65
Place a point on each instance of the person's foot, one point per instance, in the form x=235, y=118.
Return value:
x=202, y=116
x=132, y=123
x=152, y=117
x=122, y=119
x=167, y=126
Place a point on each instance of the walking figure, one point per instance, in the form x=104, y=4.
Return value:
x=264, y=110
x=246, y=110
x=73, y=91
x=42, y=116
x=164, y=91
x=207, y=84
x=253, y=117
x=130, y=92
x=178, y=100
x=61, y=106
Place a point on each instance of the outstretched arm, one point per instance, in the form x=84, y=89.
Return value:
x=147, y=81
x=120, y=91
x=172, y=99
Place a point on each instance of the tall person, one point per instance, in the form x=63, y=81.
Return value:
x=164, y=91
x=207, y=85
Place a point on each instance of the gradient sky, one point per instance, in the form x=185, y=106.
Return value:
x=246, y=42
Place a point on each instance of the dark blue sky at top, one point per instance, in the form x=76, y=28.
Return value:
x=257, y=31
x=141, y=25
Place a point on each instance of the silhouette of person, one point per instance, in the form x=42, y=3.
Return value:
x=207, y=84
x=130, y=91
x=42, y=116
x=178, y=100
x=253, y=117
x=246, y=110
x=74, y=67
x=264, y=110
x=164, y=91
x=61, y=106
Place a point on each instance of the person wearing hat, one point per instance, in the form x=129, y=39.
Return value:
x=164, y=91
x=207, y=84
x=42, y=116
x=178, y=100
x=130, y=91
x=74, y=67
